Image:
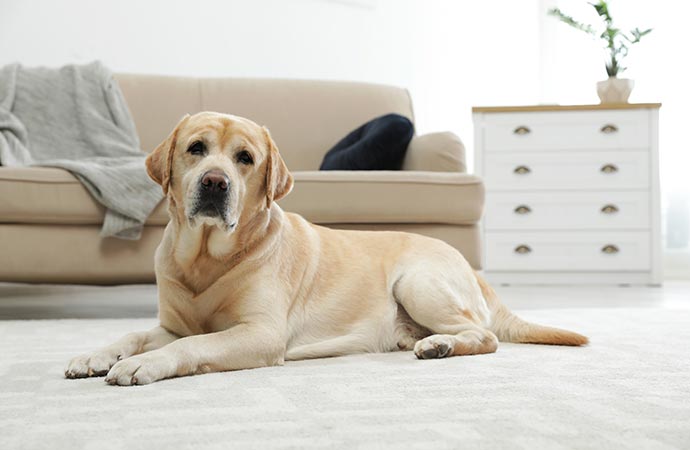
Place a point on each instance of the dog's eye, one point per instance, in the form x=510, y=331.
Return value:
x=244, y=157
x=197, y=148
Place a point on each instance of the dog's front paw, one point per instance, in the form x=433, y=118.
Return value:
x=92, y=365
x=141, y=369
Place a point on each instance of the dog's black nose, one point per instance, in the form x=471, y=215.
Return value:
x=215, y=181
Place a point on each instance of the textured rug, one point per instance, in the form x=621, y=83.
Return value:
x=629, y=389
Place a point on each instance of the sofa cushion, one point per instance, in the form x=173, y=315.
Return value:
x=386, y=197
x=50, y=195
x=379, y=144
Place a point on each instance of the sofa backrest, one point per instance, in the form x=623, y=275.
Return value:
x=305, y=117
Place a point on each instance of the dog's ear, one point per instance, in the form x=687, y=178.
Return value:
x=279, y=181
x=159, y=161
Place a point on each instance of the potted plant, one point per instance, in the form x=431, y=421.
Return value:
x=617, y=42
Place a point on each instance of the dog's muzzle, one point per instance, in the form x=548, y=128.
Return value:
x=212, y=195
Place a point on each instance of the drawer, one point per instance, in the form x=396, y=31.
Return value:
x=570, y=170
x=558, y=251
x=567, y=210
x=571, y=130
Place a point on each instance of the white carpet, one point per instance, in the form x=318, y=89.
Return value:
x=629, y=389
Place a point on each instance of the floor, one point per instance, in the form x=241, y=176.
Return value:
x=22, y=301
x=628, y=389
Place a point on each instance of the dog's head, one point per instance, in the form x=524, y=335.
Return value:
x=217, y=168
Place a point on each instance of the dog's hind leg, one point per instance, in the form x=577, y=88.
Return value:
x=453, y=310
x=469, y=340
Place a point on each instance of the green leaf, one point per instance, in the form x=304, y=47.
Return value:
x=616, y=41
x=572, y=22
x=602, y=8
x=637, y=34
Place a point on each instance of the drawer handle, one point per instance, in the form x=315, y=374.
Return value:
x=523, y=249
x=609, y=168
x=523, y=209
x=522, y=130
x=609, y=209
x=609, y=249
x=522, y=170
x=609, y=129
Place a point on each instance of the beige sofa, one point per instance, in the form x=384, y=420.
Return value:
x=49, y=224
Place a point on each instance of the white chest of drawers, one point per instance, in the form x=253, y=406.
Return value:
x=572, y=193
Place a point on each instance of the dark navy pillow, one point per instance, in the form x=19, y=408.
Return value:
x=379, y=144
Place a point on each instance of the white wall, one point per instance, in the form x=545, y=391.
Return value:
x=298, y=38
x=450, y=54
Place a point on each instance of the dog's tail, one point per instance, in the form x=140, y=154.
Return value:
x=510, y=328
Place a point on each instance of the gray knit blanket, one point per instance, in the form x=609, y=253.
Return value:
x=76, y=118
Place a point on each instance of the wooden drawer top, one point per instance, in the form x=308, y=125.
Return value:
x=538, y=108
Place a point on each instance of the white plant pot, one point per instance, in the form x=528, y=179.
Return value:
x=615, y=90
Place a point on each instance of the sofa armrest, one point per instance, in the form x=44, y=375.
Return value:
x=436, y=152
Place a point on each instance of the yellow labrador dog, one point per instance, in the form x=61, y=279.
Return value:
x=243, y=284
